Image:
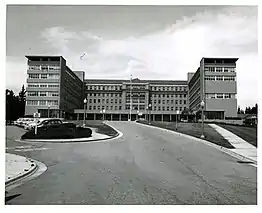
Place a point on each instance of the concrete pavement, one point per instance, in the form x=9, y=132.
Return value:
x=144, y=166
x=17, y=167
x=242, y=147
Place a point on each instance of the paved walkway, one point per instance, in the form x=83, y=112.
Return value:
x=17, y=167
x=242, y=147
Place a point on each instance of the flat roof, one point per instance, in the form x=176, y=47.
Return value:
x=57, y=57
x=120, y=81
x=219, y=60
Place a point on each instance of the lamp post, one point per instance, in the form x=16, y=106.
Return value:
x=48, y=110
x=130, y=112
x=177, y=113
x=103, y=112
x=85, y=101
x=149, y=108
x=202, y=104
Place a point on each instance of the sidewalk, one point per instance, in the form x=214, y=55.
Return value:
x=17, y=167
x=241, y=146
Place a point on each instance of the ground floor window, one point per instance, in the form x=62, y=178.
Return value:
x=214, y=115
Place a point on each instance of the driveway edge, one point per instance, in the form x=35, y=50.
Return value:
x=24, y=174
x=225, y=150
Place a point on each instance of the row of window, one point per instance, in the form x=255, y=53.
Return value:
x=44, y=67
x=219, y=69
x=103, y=87
x=45, y=93
x=170, y=88
x=220, y=78
x=43, y=76
x=42, y=103
x=43, y=85
x=220, y=96
x=169, y=96
x=103, y=95
x=104, y=101
x=170, y=102
x=140, y=108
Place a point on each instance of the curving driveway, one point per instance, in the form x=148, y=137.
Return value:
x=144, y=166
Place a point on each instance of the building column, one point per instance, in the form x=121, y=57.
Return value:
x=111, y=117
x=94, y=116
x=77, y=116
x=119, y=117
x=170, y=118
x=162, y=118
x=154, y=118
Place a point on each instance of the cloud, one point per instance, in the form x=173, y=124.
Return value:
x=168, y=53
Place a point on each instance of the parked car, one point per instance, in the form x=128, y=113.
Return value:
x=40, y=122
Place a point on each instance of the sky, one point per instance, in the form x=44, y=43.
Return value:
x=149, y=42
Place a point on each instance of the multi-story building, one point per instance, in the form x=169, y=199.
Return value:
x=53, y=89
x=113, y=96
x=214, y=82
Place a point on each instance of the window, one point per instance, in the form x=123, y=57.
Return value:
x=180, y=102
x=120, y=108
x=163, y=108
x=34, y=67
x=209, y=69
x=184, y=108
x=103, y=101
x=33, y=76
x=167, y=108
x=176, y=101
x=43, y=76
x=42, y=103
x=210, y=78
x=210, y=95
x=184, y=101
x=115, y=107
x=54, y=94
x=219, y=78
x=176, y=108
x=163, y=95
x=90, y=101
x=95, y=95
x=229, y=69
x=54, y=67
x=53, y=76
x=167, y=96
x=219, y=69
x=32, y=93
x=180, y=96
x=227, y=96
x=94, y=101
x=159, y=96
x=94, y=107
x=107, y=101
x=120, y=101
x=172, y=101
x=159, y=101
x=111, y=107
x=33, y=85
x=184, y=95
x=163, y=101
x=229, y=78
x=90, y=107
x=42, y=93
x=172, y=108
x=154, y=101
x=31, y=103
x=98, y=107
x=159, y=108
x=53, y=85
x=219, y=96
x=52, y=103
x=167, y=101
x=180, y=109
x=111, y=101
x=98, y=101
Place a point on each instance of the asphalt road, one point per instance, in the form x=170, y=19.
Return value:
x=144, y=166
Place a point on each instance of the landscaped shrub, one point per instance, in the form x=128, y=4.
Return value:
x=58, y=132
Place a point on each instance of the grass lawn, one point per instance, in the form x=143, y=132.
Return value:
x=249, y=134
x=99, y=125
x=194, y=129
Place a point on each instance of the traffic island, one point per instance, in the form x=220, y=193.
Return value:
x=18, y=167
x=193, y=129
x=69, y=135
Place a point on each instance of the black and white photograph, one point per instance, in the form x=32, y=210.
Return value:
x=131, y=104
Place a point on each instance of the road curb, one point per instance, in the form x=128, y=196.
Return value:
x=221, y=148
x=24, y=174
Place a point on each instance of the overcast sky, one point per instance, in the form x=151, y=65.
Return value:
x=149, y=42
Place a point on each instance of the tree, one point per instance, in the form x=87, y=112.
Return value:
x=22, y=99
x=238, y=110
